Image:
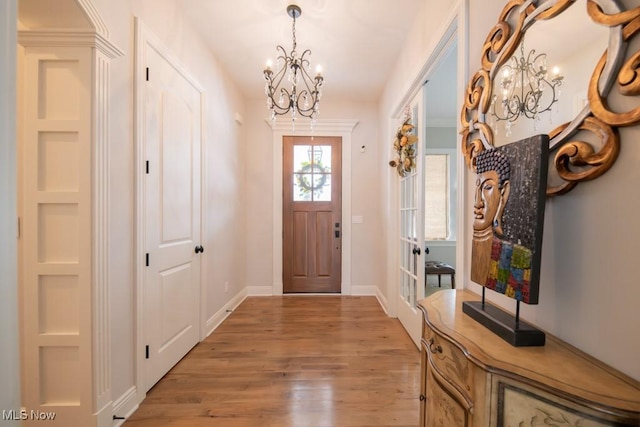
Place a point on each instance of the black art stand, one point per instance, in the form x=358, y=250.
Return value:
x=503, y=324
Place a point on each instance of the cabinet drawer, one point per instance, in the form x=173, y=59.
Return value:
x=449, y=361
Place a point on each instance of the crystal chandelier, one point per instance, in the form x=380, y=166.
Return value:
x=303, y=95
x=523, y=84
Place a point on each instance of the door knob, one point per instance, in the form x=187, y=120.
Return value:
x=199, y=249
x=416, y=251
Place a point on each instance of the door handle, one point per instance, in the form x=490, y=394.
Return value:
x=199, y=249
x=336, y=233
x=416, y=250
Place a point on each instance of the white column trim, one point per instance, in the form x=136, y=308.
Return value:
x=100, y=51
x=322, y=127
x=100, y=222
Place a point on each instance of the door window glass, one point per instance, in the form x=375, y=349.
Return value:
x=312, y=176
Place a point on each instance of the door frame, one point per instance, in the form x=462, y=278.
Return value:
x=340, y=128
x=143, y=36
x=313, y=282
x=455, y=28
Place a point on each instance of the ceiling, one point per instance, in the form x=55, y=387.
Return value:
x=355, y=41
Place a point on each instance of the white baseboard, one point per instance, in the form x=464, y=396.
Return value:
x=104, y=417
x=125, y=405
x=259, y=291
x=214, y=321
x=382, y=300
x=363, y=290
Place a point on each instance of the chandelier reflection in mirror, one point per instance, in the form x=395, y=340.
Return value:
x=303, y=96
x=525, y=89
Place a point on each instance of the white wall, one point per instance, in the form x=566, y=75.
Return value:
x=442, y=137
x=9, y=356
x=223, y=221
x=589, y=287
x=366, y=254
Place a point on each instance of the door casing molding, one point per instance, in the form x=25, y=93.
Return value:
x=342, y=128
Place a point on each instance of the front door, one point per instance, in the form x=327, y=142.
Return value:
x=172, y=123
x=312, y=206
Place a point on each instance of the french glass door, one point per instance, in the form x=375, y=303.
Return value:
x=411, y=232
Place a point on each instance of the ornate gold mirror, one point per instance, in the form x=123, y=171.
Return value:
x=586, y=146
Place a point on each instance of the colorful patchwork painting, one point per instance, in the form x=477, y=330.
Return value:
x=510, y=270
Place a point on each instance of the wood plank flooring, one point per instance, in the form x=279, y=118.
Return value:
x=321, y=361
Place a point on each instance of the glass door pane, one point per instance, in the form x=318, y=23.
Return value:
x=312, y=173
x=411, y=230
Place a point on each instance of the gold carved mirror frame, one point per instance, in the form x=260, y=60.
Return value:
x=616, y=74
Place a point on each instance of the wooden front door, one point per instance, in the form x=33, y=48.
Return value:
x=312, y=206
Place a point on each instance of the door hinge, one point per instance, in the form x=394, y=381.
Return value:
x=147, y=259
x=146, y=352
x=147, y=166
x=147, y=74
x=19, y=230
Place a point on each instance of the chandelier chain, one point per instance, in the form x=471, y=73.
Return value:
x=293, y=31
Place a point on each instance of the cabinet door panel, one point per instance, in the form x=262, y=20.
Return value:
x=443, y=409
x=517, y=405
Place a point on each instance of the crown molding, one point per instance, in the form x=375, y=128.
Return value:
x=68, y=38
x=320, y=125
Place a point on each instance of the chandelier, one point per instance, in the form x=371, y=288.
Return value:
x=523, y=85
x=302, y=94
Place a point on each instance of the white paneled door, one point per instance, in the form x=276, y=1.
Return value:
x=411, y=233
x=172, y=143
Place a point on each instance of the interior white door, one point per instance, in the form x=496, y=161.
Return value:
x=411, y=233
x=172, y=143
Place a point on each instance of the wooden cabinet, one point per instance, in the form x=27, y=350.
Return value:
x=471, y=377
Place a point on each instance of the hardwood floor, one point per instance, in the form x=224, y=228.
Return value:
x=293, y=361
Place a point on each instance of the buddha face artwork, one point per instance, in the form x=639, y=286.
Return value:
x=508, y=218
x=492, y=190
